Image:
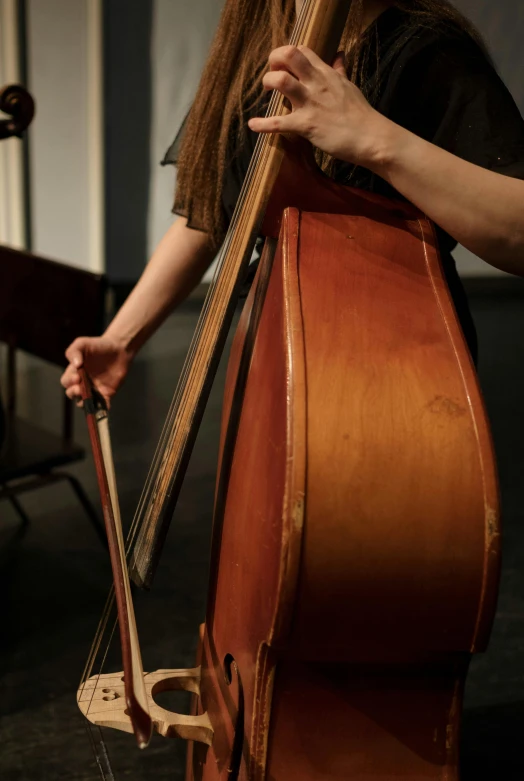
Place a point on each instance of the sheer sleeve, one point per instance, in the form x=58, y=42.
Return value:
x=239, y=159
x=171, y=158
x=457, y=101
x=171, y=155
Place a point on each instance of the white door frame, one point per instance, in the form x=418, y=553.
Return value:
x=12, y=183
x=95, y=101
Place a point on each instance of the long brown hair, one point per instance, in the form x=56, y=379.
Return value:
x=248, y=30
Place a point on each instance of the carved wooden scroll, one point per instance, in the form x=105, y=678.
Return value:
x=18, y=103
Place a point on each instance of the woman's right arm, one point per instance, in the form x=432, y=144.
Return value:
x=175, y=269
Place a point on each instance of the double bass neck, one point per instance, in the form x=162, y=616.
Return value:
x=319, y=27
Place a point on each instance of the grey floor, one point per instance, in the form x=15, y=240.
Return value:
x=55, y=577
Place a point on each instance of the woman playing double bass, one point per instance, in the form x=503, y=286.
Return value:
x=356, y=536
x=412, y=108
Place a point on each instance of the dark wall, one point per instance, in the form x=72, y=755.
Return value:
x=127, y=67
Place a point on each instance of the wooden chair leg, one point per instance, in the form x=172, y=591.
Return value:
x=88, y=507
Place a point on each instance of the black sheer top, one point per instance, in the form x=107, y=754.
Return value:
x=439, y=84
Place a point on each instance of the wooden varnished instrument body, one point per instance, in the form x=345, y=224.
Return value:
x=356, y=534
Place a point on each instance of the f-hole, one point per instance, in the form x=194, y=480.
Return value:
x=231, y=669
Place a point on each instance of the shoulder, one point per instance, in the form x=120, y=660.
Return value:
x=440, y=45
x=443, y=87
x=437, y=62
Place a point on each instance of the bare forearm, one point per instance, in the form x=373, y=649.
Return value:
x=175, y=268
x=482, y=210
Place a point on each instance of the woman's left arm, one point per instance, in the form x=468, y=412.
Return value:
x=481, y=209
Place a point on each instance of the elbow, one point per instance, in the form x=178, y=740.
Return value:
x=515, y=249
x=506, y=253
x=512, y=250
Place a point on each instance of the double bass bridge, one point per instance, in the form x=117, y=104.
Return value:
x=102, y=700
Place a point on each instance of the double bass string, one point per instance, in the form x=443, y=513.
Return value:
x=192, y=370
x=214, y=293
x=212, y=314
x=208, y=321
x=261, y=147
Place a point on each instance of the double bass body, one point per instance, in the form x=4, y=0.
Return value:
x=355, y=548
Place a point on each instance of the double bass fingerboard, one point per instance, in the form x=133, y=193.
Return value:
x=319, y=27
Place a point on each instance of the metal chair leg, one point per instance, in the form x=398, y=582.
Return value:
x=88, y=507
x=19, y=509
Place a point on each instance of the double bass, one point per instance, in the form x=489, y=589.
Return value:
x=356, y=535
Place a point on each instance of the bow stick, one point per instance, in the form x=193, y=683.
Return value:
x=125, y=701
x=134, y=686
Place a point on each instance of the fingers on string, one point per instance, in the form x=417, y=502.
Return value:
x=297, y=60
x=283, y=124
x=287, y=84
x=339, y=64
